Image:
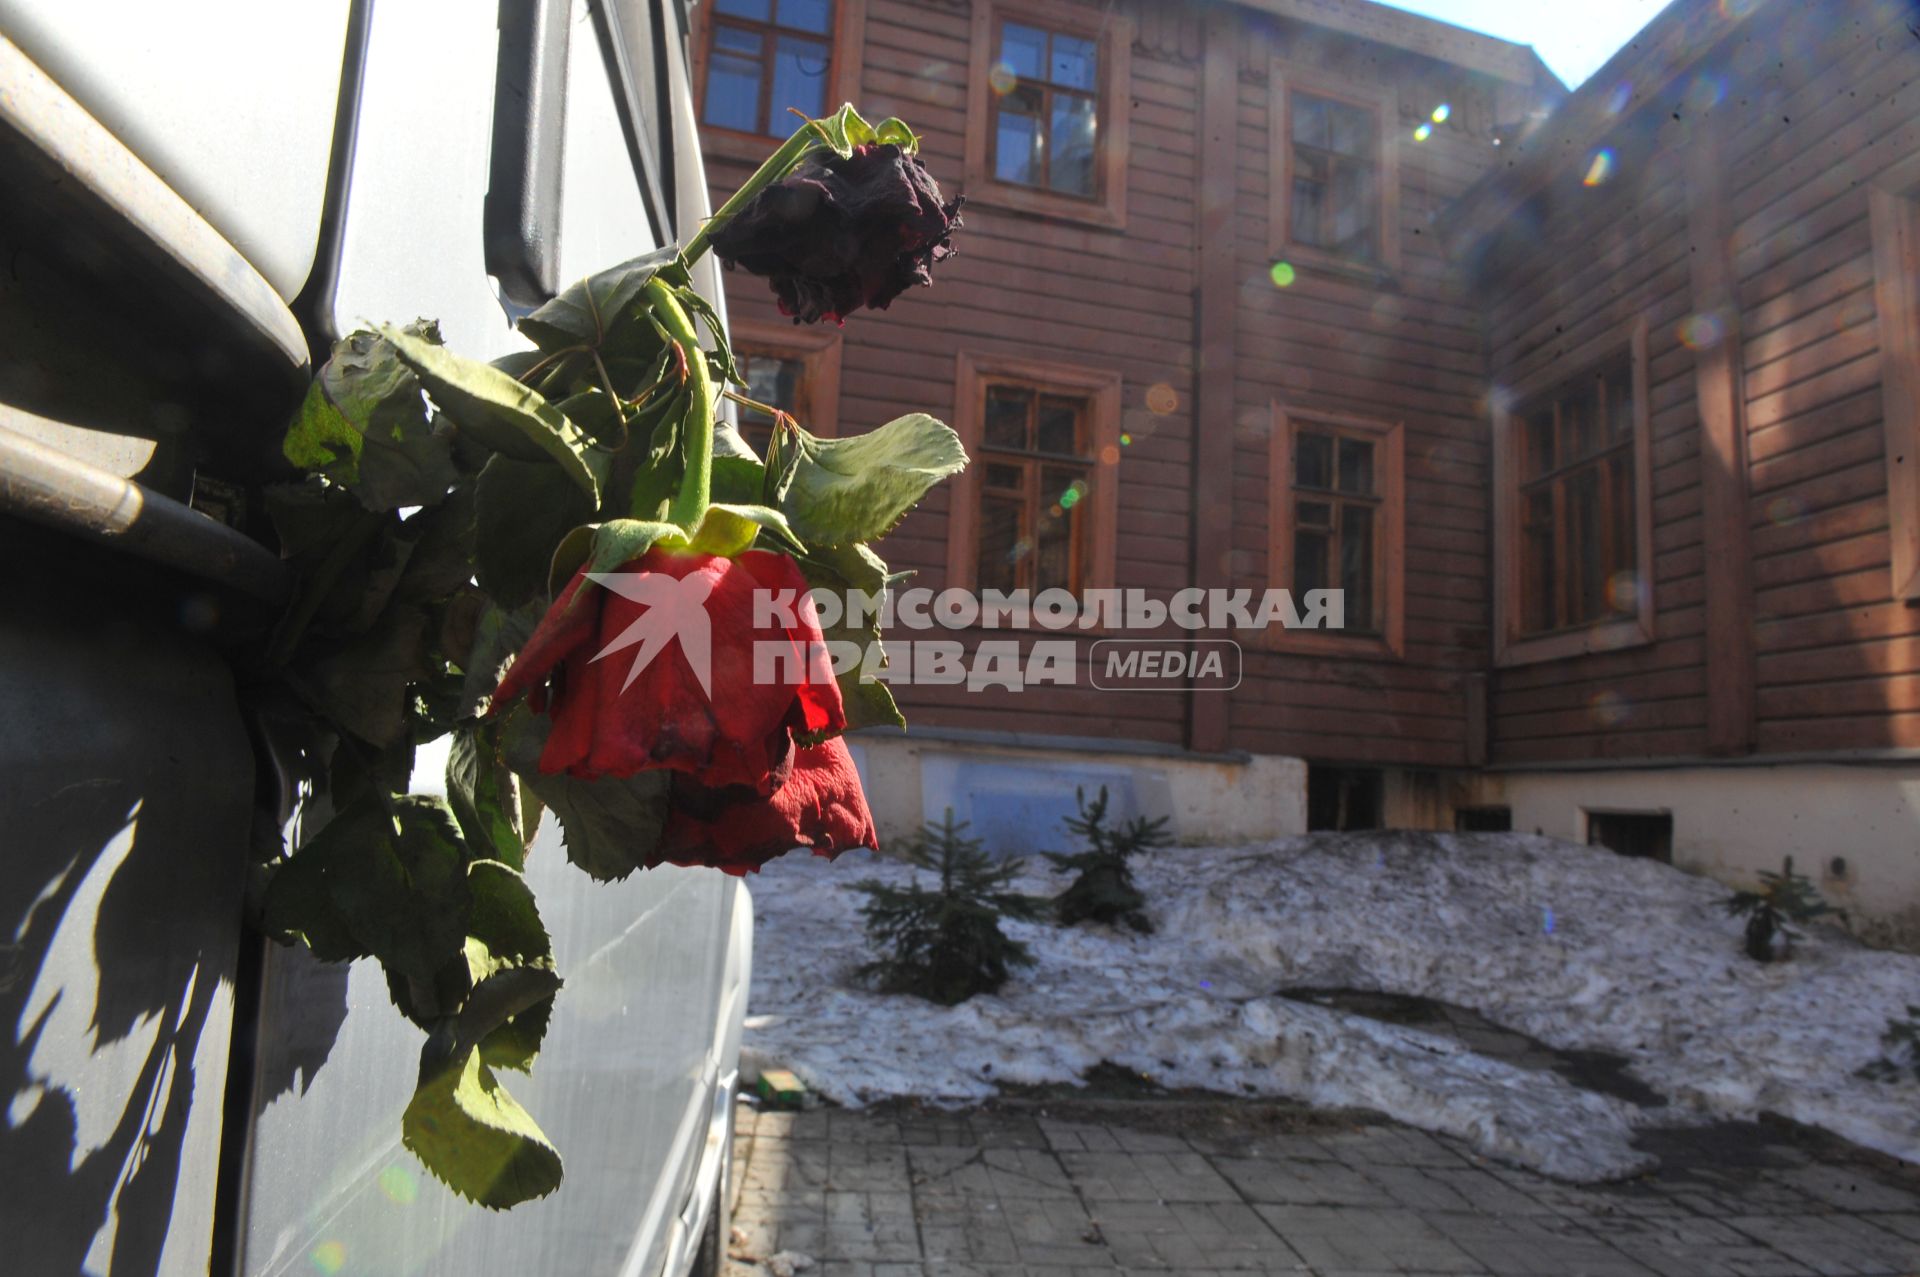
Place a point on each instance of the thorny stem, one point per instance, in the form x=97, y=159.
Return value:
x=689, y=504
x=777, y=166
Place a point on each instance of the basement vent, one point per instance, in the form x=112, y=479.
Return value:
x=1632, y=833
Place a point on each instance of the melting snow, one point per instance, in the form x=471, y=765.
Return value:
x=1571, y=945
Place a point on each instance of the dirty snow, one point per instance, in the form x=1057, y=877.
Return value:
x=1571, y=945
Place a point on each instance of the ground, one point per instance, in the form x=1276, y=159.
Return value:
x=1066, y=1186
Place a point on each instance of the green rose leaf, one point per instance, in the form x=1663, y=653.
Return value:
x=522, y=510
x=611, y=827
x=442, y=557
x=498, y=411
x=481, y=792
x=737, y=480
x=365, y=426
x=376, y=884
x=474, y=1137
x=598, y=309
x=837, y=569
x=510, y=958
x=729, y=530
x=362, y=684
x=859, y=488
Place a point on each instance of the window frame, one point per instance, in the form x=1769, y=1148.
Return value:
x=1893, y=202
x=1388, y=641
x=817, y=352
x=847, y=41
x=1511, y=645
x=1112, y=35
x=1102, y=390
x=1283, y=79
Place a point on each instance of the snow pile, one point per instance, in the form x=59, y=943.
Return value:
x=1574, y=946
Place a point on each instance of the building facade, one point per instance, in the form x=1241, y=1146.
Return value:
x=1597, y=406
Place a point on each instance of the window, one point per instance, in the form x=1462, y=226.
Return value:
x=1336, y=524
x=1894, y=201
x=1335, y=188
x=767, y=56
x=761, y=60
x=778, y=381
x=1336, y=165
x=1574, y=506
x=1046, y=118
x=794, y=370
x=1034, y=477
x=1045, y=109
x=1342, y=798
x=1632, y=833
x=1035, y=510
x=1483, y=820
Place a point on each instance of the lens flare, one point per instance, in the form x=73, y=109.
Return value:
x=1621, y=95
x=1546, y=920
x=329, y=1257
x=1609, y=708
x=1422, y=133
x=1599, y=168
x=1126, y=441
x=1703, y=331
x=1162, y=399
x=1001, y=79
x=1623, y=591
x=1785, y=511
x=398, y=1183
x=1440, y=113
x=1282, y=274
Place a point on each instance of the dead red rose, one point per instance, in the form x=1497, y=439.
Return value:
x=838, y=234
x=620, y=671
x=821, y=806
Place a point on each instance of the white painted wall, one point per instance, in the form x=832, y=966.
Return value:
x=1731, y=822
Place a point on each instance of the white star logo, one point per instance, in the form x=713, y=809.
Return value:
x=676, y=608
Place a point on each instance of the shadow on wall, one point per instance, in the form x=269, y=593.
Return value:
x=125, y=787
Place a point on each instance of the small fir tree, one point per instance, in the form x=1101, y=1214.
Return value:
x=944, y=943
x=1783, y=897
x=1901, y=1044
x=1105, y=890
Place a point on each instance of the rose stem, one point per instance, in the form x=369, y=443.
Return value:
x=776, y=167
x=689, y=504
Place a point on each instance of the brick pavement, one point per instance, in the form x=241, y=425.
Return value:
x=1206, y=1189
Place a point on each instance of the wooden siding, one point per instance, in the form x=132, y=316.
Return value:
x=1404, y=349
x=1834, y=656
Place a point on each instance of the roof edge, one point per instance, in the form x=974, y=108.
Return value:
x=1489, y=55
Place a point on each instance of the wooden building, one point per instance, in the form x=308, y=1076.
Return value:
x=1600, y=407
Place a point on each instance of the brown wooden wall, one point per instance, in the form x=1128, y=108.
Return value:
x=1409, y=350
x=1800, y=139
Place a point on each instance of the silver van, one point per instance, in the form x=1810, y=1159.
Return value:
x=195, y=198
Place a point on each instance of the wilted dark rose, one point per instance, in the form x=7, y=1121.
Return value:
x=838, y=234
x=611, y=719
x=821, y=806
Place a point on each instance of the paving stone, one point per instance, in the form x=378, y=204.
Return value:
x=1832, y=1245
x=1388, y=1239
x=1306, y=1184
x=1846, y=1188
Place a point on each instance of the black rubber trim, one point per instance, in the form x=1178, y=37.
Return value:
x=313, y=306
x=521, y=223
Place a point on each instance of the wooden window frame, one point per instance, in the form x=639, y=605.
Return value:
x=1893, y=202
x=1389, y=641
x=972, y=374
x=817, y=352
x=847, y=41
x=1112, y=35
x=1510, y=645
x=1283, y=78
